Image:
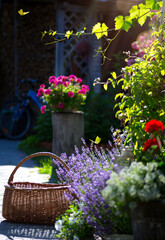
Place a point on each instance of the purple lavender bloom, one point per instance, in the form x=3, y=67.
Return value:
x=89, y=171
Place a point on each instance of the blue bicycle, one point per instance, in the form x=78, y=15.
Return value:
x=17, y=116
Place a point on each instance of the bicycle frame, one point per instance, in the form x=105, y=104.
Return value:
x=32, y=94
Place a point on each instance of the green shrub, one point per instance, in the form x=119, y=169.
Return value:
x=100, y=116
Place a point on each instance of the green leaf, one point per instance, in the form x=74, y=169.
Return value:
x=134, y=12
x=118, y=95
x=118, y=22
x=100, y=30
x=163, y=72
x=121, y=23
x=105, y=86
x=68, y=34
x=97, y=140
x=112, y=82
x=22, y=13
x=114, y=75
x=143, y=14
x=54, y=33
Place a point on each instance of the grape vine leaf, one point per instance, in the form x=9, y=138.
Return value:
x=22, y=13
x=100, y=30
x=68, y=34
x=134, y=12
x=121, y=23
x=143, y=14
x=97, y=140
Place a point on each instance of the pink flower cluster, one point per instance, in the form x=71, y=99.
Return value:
x=143, y=41
x=62, y=86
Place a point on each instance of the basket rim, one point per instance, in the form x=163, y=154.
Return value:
x=44, y=186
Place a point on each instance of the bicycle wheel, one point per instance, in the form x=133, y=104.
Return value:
x=15, y=121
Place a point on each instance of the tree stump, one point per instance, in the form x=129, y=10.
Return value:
x=68, y=129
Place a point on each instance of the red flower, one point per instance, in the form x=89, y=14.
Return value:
x=149, y=143
x=154, y=126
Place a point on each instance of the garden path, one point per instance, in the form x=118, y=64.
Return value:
x=10, y=156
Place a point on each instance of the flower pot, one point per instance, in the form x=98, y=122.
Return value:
x=148, y=221
x=68, y=129
x=118, y=237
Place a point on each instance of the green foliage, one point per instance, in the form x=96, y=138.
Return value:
x=138, y=12
x=72, y=225
x=43, y=127
x=100, y=116
x=143, y=97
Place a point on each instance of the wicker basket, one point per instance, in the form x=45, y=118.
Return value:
x=36, y=203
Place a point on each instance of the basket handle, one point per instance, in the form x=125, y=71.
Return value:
x=10, y=181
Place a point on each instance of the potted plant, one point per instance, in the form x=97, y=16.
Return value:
x=63, y=97
x=140, y=187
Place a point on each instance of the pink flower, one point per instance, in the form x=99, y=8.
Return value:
x=86, y=87
x=135, y=46
x=66, y=83
x=71, y=94
x=141, y=54
x=42, y=86
x=141, y=38
x=52, y=79
x=40, y=92
x=61, y=105
x=79, y=80
x=82, y=91
x=72, y=78
x=58, y=82
x=64, y=78
x=48, y=91
x=43, y=109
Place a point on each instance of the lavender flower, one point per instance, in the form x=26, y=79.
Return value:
x=89, y=171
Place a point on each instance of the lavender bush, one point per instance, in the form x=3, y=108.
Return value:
x=89, y=171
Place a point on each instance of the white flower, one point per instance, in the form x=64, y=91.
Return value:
x=75, y=238
x=58, y=225
x=162, y=178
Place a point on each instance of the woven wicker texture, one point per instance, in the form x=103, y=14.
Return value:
x=38, y=203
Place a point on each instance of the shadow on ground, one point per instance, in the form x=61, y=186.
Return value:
x=11, y=230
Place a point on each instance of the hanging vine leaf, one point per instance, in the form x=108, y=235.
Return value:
x=134, y=12
x=121, y=23
x=22, y=13
x=97, y=140
x=68, y=34
x=143, y=14
x=100, y=30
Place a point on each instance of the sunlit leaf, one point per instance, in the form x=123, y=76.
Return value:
x=134, y=12
x=105, y=86
x=121, y=23
x=112, y=82
x=68, y=34
x=118, y=22
x=54, y=33
x=114, y=75
x=163, y=72
x=22, y=13
x=43, y=34
x=97, y=140
x=100, y=30
x=118, y=95
x=142, y=14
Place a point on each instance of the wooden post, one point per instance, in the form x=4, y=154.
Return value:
x=68, y=129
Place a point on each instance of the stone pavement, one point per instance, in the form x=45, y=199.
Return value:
x=10, y=156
